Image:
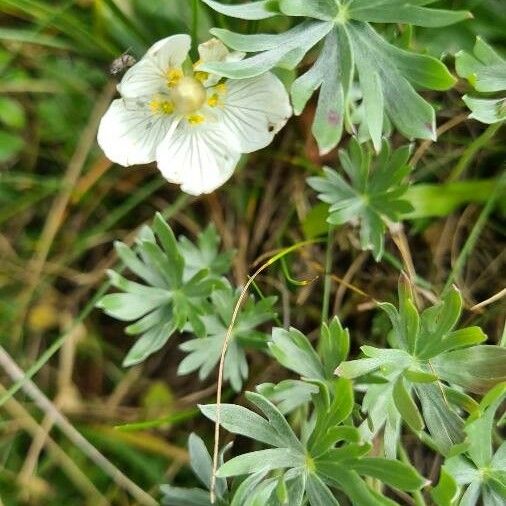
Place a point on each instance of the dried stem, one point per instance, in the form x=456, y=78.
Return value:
x=30, y=389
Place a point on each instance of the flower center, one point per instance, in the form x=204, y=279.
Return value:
x=188, y=95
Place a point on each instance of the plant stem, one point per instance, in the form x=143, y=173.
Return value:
x=328, y=274
x=472, y=150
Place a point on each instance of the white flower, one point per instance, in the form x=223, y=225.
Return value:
x=195, y=125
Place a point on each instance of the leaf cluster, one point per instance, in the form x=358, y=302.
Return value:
x=353, y=54
x=373, y=194
x=181, y=288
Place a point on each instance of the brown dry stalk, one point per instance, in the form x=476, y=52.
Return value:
x=40, y=399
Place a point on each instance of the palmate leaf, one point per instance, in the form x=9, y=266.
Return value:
x=204, y=352
x=170, y=294
x=428, y=359
x=331, y=457
x=486, y=72
x=371, y=196
x=478, y=469
x=387, y=75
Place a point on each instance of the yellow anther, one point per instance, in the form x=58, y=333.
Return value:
x=195, y=119
x=201, y=76
x=161, y=106
x=213, y=100
x=173, y=76
x=221, y=88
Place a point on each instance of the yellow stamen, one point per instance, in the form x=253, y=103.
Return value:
x=221, y=88
x=195, y=119
x=213, y=100
x=173, y=77
x=201, y=76
x=161, y=106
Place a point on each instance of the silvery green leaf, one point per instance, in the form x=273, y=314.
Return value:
x=373, y=195
x=274, y=49
x=486, y=110
x=177, y=496
x=485, y=69
x=261, y=9
x=394, y=12
x=239, y=420
x=410, y=113
x=444, y=424
x=318, y=9
x=262, y=460
x=292, y=349
x=318, y=493
x=386, y=73
x=167, y=296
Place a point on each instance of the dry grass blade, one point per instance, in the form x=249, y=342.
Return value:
x=230, y=328
x=16, y=374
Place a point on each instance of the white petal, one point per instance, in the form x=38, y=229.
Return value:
x=129, y=132
x=212, y=51
x=171, y=51
x=199, y=158
x=148, y=76
x=255, y=110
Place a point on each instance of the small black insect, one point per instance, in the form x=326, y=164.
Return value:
x=122, y=64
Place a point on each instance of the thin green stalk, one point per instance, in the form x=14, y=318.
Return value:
x=475, y=234
x=471, y=151
x=328, y=274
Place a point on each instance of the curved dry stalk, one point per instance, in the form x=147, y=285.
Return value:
x=238, y=304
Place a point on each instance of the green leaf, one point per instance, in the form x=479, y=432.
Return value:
x=239, y=420
x=318, y=493
x=407, y=406
x=356, y=368
x=486, y=110
x=176, y=496
x=391, y=472
x=276, y=420
x=334, y=345
x=318, y=9
x=485, y=69
x=293, y=350
x=447, y=492
x=479, y=431
x=373, y=195
x=444, y=424
x=204, y=353
x=413, y=14
x=275, y=48
x=477, y=369
x=262, y=9
x=130, y=306
x=385, y=72
x=150, y=342
x=168, y=296
x=262, y=460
